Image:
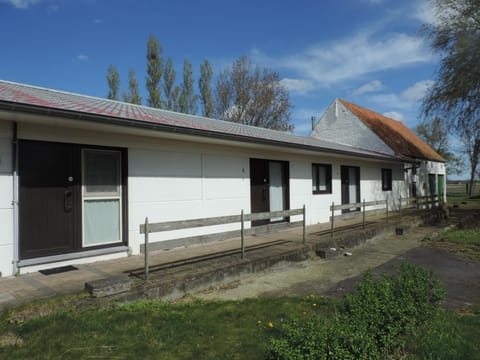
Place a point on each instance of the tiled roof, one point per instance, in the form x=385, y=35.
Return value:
x=395, y=134
x=43, y=100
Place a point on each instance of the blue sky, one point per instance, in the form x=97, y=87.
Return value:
x=370, y=52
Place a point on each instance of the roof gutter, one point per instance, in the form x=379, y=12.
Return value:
x=39, y=110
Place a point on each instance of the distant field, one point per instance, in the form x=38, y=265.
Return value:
x=461, y=189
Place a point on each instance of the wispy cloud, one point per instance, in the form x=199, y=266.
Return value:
x=372, y=86
x=299, y=86
x=21, y=4
x=352, y=58
x=425, y=12
x=82, y=57
x=97, y=21
x=394, y=115
x=407, y=99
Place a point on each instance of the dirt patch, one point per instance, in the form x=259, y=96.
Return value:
x=10, y=339
x=338, y=276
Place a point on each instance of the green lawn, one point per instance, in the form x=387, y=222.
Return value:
x=204, y=330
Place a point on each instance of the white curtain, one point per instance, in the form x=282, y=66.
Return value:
x=352, y=187
x=276, y=189
x=101, y=221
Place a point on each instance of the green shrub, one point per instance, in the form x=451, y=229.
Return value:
x=377, y=319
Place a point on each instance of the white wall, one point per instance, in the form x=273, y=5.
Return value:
x=172, y=185
x=176, y=180
x=6, y=198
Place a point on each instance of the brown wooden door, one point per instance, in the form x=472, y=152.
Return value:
x=259, y=185
x=48, y=198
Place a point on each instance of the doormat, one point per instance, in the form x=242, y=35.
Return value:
x=58, y=270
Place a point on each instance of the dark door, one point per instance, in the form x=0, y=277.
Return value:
x=350, y=178
x=48, y=198
x=259, y=188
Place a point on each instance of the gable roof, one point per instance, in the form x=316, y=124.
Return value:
x=36, y=100
x=394, y=133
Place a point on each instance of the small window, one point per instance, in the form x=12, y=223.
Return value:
x=321, y=179
x=386, y=179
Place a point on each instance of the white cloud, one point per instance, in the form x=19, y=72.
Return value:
x=425, y=13
x=407, y=99
x=97, y=21
x=372, y=86
x=352, y=58
x=417, y=91
x=394, y=115
x=21, y=4
x=299, y=86
x=82, y=57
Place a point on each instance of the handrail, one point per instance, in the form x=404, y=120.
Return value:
x=148, y=228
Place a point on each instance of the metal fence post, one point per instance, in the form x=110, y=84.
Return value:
x=242, y=234
x=363, y=214
x=304, y=240
x=331, y=227
x=146, y=248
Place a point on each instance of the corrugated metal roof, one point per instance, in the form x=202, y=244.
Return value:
x=394, y=133
x=45, y=100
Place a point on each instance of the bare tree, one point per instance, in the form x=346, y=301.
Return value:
x=249, y=95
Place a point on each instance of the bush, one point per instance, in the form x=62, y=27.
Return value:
x=376, y=321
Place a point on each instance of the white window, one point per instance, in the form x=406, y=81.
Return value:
x=101, y=195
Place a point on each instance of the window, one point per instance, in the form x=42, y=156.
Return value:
x=321, y=179
x=386, y=179
x=101, y=197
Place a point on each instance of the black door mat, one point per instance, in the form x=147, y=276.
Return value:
x=58, y=270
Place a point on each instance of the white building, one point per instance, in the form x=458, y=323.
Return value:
x=78, y=175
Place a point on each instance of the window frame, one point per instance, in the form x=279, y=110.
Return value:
x=328, y=178
x=387, y=179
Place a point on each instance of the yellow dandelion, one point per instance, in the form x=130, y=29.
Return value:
x=314, y=305
x=259, y=322
x=270, y=324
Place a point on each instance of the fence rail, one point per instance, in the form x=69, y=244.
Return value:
x=148, y=228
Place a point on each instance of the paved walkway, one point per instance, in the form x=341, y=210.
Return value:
x=16, y=290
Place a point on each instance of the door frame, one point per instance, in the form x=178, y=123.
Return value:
x=345, y=182
x=265, y=193
x=77, y=164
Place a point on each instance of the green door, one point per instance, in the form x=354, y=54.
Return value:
x=440, y=184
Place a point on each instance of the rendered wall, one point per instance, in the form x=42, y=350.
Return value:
x=6, y=198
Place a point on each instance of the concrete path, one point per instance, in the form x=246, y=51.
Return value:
x=338, y=276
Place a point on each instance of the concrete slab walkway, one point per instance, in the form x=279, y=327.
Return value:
x=16, y=290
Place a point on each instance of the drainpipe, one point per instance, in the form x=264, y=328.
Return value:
x=15, y=197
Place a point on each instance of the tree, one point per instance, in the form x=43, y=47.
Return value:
x=132, y=96
x=169, y=76
x=471, y=139
x=113, y=81
x=435, y=133
x=188, y=99
x=456, y=93
x=205, y=86
x=154, y=72
x=252, y=96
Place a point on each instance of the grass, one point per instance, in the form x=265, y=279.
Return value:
x=156, y=330
x=203, y=330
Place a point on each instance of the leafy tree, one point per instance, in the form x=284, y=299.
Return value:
x=188, y=99
x=169, y=76
x=177, y=94
x=154, y=72
x=456, y=93
x=132, y=96
x=205, y=86
x=249, y=95
x=435, y=133
x=113, y=81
